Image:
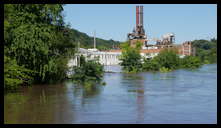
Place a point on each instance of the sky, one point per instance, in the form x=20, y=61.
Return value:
x=113, y=21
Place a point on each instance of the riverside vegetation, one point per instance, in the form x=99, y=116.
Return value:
x=88, y=73
x=168, y=59
x=38, y=44
x=131, y=58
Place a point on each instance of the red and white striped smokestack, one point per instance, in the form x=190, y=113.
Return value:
x=137, y=16
x=141, y=15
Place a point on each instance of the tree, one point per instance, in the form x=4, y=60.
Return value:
x=37, y=39
x=89, y=72
x=168, y=58
x=206, y=50
x=150, y=65
x=131, y=58
x=14, y=75
x=191, y=62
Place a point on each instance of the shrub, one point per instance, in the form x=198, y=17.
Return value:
x=163, y=69
x=168, y=58
x=89, y=72
x=191, y=62
x=150, y=65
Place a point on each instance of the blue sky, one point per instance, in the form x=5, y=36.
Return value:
x=114, y=21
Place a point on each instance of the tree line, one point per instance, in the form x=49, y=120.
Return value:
x=206, y=50
x=168, y=59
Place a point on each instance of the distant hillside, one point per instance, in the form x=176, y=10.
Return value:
x=87, y=41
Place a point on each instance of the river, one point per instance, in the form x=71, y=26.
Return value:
x=181, y=96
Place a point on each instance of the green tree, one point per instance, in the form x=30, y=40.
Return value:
x=37, y=39
x=168, y=58
x=15, y=75
x=191, y=62
x=89, y=72
x=150, y=65
x=131, y=58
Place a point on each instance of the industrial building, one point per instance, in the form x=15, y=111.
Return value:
x=151, y=50
x=167, y=41
x=111, y=57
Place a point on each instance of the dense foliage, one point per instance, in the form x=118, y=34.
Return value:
x=150, y=64
x=131, y=58
x=191, y=62
x=36, y=39
x=88, y=72
x=15, y=74
x=166, y=60
x=206, y=50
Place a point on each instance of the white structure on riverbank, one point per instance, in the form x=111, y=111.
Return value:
x=104, y=58
x=109, y=57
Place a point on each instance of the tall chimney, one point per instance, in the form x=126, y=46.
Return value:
x=141, y=15
x=137, y=16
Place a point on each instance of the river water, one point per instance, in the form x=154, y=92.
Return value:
x=181, y=96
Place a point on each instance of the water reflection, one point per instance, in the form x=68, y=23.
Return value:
x=84, y=91
x=181, y=96
x=140, y=101
x=38, y=104
x=135, y=84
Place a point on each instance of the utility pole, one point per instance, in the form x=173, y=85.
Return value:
x=94, y=39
